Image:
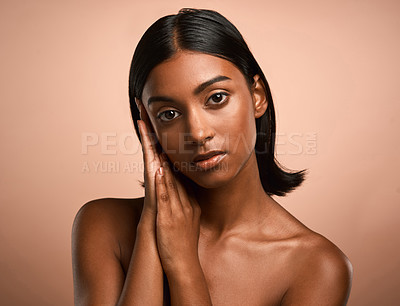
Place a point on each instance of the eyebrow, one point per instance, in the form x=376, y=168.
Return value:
x=196, y=91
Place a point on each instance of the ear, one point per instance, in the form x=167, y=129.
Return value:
x=259, y=95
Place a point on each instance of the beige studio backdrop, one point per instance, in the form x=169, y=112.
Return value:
x=67, y=136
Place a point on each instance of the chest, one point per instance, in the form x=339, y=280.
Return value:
x=243, y=275
x=239, y=274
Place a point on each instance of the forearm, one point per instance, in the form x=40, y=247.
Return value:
x=144, y=279
x=189, y=287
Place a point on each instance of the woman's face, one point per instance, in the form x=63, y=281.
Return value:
x=199, y=103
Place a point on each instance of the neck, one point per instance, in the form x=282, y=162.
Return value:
x=233, y=206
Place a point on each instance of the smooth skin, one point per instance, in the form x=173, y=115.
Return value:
x=219, y=238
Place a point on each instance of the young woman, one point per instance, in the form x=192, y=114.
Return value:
x=207, y=231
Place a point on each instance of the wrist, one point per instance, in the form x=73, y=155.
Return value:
x=189, y=284
x=147, y=221
x=184, y=271
x=146, y=228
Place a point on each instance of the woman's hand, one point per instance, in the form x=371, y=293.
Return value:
x=174, y=215
x=178, y=222
x=151, y=164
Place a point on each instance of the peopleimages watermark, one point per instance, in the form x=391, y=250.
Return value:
x=138, y=167
x=112, y=143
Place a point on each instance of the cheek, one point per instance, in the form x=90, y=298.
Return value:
x=169, y=141
x=172, y=144
x=241, y=127
x=242, y=140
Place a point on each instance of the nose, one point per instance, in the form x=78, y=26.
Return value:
x=199, y=128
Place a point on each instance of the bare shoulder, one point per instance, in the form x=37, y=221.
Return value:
x=106, y=222
x=108, y=211
x=109, y=216
x=316, y=271
x=322, y=274
x=106, y=205
x=100, y=233
x=321, y=257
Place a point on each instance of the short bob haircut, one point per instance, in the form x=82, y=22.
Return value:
x=209, y=32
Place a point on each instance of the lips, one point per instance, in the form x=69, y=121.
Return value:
x=209, y=160
x=207, y=155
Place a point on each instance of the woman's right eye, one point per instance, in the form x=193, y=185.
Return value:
x=167, y=115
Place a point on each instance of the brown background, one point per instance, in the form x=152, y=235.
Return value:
x=333, y=68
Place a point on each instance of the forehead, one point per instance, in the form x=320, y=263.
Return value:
x=186, y=70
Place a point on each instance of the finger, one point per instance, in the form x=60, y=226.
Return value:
x=150, y=130
x=172, y=187
x=187, y=195
x=145, y=117
x=163, y=198
x=139, y=106
x=152, y=137
x=178, y=180
x=151, y=163
x=149, y=145
x=143, y=113
x=148, y=152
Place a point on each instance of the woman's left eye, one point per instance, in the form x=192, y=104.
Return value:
x=218, y=98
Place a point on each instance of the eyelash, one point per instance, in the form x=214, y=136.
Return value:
x=224, y=94
x=220, y=93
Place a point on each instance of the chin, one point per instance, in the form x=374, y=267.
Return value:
x=210, y=179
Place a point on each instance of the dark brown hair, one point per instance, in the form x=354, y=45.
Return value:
x=209, y=32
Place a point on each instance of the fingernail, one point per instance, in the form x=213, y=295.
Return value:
x=161, y=171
